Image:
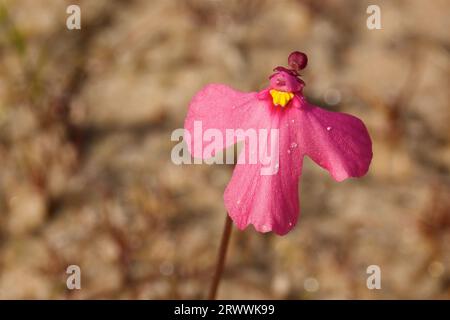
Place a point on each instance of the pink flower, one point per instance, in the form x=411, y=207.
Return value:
x=336, y=141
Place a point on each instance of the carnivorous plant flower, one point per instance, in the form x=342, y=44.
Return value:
x=338, y=142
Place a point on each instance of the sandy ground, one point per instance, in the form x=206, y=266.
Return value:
x=86, y=176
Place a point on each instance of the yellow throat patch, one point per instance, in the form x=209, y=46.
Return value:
x=281, y=98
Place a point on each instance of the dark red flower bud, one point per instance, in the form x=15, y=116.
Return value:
x=297, y=61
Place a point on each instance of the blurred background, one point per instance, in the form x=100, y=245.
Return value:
x=85, y=171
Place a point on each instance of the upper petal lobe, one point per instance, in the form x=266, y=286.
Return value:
x=336, y=141
x=219, y=107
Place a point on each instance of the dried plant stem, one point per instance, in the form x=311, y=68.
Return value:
x=220, y=258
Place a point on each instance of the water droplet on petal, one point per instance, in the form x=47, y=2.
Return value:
x=290, y=224
x=265, y=228
x=329, y=128
x=293, y=145
x=238, y=202
x=289, y=151
x=280, y=82
x=292, y=120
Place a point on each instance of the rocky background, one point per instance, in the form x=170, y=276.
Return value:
x=86, y=177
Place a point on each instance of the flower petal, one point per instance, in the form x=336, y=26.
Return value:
x=220, y=107
x=338, y=142
x=269, y=202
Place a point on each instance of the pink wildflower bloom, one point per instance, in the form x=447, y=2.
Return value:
x=336, y=141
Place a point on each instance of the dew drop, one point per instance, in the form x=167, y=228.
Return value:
x=277, y=166
x=329, y=128
x=292, y=120
x=265, y=228
x=238, y=202
x=289, y=151
x=290, y=224
x=293, y=145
